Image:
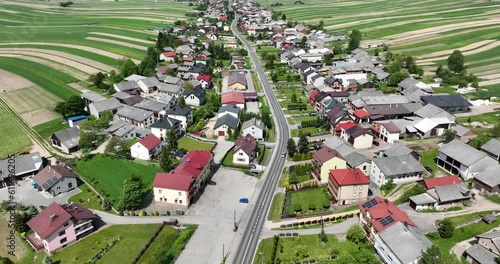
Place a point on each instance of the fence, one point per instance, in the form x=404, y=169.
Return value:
x=149, y=242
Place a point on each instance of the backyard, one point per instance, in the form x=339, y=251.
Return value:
x=87, y=198
x=308, y=201
x=46, y=130
x=189, y=144
x=107, y=174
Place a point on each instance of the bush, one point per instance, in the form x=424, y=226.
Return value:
x=168, y=212
x=120, y=213
x=142, y=213
x=155, y=213
x=312, y=207
x=326, y=204
x=131, y=213
x=297, y=207
x=467, y=203
x=445, y=228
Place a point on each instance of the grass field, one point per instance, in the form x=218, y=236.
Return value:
x=169, y=243
x=189, y=144
x=22, y=250
x=30, y=99
x=314, y=197
x=12, y=138
x=107, y=174
x=87, y=198
x=276, y=207
x=46, y=130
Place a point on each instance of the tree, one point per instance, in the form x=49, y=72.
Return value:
x=283, y=17
x=445, y=228
x=188, y=86
x=229, y=132
x=479, y=141
x=61, y=109
x=293, y=98
x=172, y=143
x=20, y=220
x=432, y=255
x=291, y=147
x=75, y=105
x=266, y=119
x=86, y=139
x=47, y=260
x=181, y=101
x=322, y=236
x=166, y=162
x=354, y=40
x=6, y=260
x=303, y=42
x=303, y=144
x=356, y=234
x=132, y=193
x=449, y=135
x=439, y=70
x=127, y=68
x=495, y=131
x=456, y=62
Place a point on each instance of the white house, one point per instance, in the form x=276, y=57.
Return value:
x=148, y=85
x=55, y=180
x=356, y=135
x=253, y=127
x=194, y=96
x=245, y=150
x=147, y=148
x=161, y=127
x=230, y=110
x=389, y=132
x=401, y=169
x=183, y=114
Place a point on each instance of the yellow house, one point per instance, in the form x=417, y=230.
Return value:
x=237, y=81
x=324, y=160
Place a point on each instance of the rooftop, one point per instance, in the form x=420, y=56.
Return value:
x=446, y=100
x=24, y=164
x=462, y=152
x=228, y=120
x=68, y=137
x=396, y=165
x=150, y=141
x=384, y=213
x=349, y=176
x=134, y=113
x=252, y=122
x=237, y=78
x=107, y=104
x=325, y=154
x=492, y=146
x=441, y=181
x=247, y=143
x=232, y=97
x=51, y=174
x=405, y=241
x=151, y=105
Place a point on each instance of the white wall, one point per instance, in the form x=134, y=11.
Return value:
x=240, y=157
x=169, y=196
x=62, y=185
x=377, y=176
x=385, y=253
x=138, y=151
x=363, y=142
x=254, y=131
x=192, y=100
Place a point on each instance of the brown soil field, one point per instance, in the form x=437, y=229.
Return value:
x=37, y=117
x=11, y=82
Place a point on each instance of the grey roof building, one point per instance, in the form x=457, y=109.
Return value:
x=228, y=120
x=134, y=113
x=28, y=164
x=180, y=111
x=452, y=103
x=460, y=130
x=399, y=149
x=121, y=95
x=91, y=97
x=110, y=104
x=229, y=109
x=452, y=193
x=252, y=122
x=120, y=129
x=172, y=89
x=492, y=148
x=398, y=165
x=403, y=241
x=479, y=254
x=67, y=139
x=126, y=86
x=488, y=180
x=152, y=106
x=166, y=123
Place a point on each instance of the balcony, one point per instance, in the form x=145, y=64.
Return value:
x=36, y=243
x=83, y=230
x=77, y=225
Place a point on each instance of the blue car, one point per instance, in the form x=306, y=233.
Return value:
x=244, y=200
x=35, y=185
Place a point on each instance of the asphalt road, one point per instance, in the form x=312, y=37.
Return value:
x=250, y=239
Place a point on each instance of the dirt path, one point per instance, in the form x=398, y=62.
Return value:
x=116, y=42
x=68, y=70
x=11, y=82
x=122, y=37
x=462, y=49
x=489, y=46
x=80, y=47
x=87, y=64
x=62, y=60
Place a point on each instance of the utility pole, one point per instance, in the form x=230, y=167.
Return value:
x=234, y=219
x=222, y=251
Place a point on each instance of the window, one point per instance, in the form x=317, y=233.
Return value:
x=180, y=201
x=180, y=193
x=361, y=187
x=159, y=190
x=354, y=195
x=63, y=240
x=161, y=199
x=62, y=232
x=59, y=187
x=241, y=153
x=66, y=224
x=364, y=167
x=354, y=187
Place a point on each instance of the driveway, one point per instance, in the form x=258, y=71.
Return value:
x=25, y=194
x=253, y=107
x=222, y=148
x=424, y=221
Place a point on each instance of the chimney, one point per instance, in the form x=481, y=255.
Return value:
x=53, y=218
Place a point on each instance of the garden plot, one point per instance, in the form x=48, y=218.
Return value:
x=29, y=99
x=37, y=117
x=11, y=82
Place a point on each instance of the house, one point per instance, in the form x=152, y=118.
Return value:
x=235, y=98
x=348, y=186
x=91, y=97
x=170, y=89
x=389, y=132
x=26, y=166
x=324, y=160
x=253, y=127
x=58, y=226
x=55, y=179
x=245, y=150
x=409, y=83
x=229, y=109
x=147, y=148
x=195, y=97
x=148, y=85
x=127, y=99
x=459, y=158
x=492, y=148
x=451, y=103
x=356, y=135
x=162, y=126
x=111, y=104
x=464, y=134
x=122, y=130
x=127, y=86
x=431, y=127
x=67, y=140
x=224, y=123
x=486, y=250
x=441, y=194
x=205, y=80
x=401, y=243
x=237, y=81
x=185, y=183
x=336, y=116
x=378, y=214
x=183, y=114
x=136, y=116
x=487, y=181
x=74, y=121
x=399, y=149
x=401, y=169
x=440, y=181
x=168, y=56
x=153, y=106
x=349, y=154
x=490, y=241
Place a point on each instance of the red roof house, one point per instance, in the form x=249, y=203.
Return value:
x=441, y=181
x=48, y=226
x=348, y=185
x=245, y=150
x=235, y=98
x=325, y=154
x=343, y=177
x=361, y=113
x=150, y=141
x=345, y=126
x=148, y=147
x=378, y=214
x=206, y=80
x=312, y=96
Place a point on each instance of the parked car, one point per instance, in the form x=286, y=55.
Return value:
x=429, y=169
x=244, y=200
x=376, y=143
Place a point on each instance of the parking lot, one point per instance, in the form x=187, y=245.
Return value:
x=218, y=204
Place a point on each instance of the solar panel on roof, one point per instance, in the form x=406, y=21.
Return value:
x=45, y=185
x=49, y=182
x=386, y=220
x=370, y=204
x=54, y=178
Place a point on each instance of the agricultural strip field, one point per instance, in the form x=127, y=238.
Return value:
x=12, y=138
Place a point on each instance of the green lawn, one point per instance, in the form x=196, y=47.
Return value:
x=492, y=118
x=276, y=207
x=228, y=160
x=169, y=244
x=428, y=158
x=312, y=130
x=46, y=130
x=267, y=156
x=87, y=198
x=107, y=174
x=462, y=219
x=12, y=137
x=494, y=198
x=132, y=239
x=315, y=197
x=189, y=144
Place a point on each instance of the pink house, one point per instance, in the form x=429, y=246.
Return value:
x=58, y=226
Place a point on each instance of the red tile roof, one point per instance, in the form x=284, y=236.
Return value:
x=172, y=181
x=441, y=181
x=382, y=209
x=150, y=141
x=391, y=127
x=361, y=113
x=232, y=98
x=78, y=212
x=203, y=58
x=325, y=154
x=346, y=126
x=349, y=177
x=42, y=224
x=204, y=77
x=312, y=96
x=187, y=59
x=247, y=143
x=169, y=54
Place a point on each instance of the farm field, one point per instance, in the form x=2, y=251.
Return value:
x=12, y=138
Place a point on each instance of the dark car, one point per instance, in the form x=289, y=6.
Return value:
x=376, y=143
x=211, y=183
x=317, y=146
x=429, y=169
